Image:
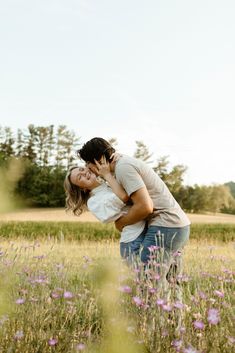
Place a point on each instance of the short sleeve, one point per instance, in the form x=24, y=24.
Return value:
x=127, y=175
x=107, y=207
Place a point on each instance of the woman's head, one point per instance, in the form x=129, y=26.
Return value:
x=94, y=149
x=78, y=183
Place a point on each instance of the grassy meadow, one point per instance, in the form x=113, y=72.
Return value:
x=64, y=288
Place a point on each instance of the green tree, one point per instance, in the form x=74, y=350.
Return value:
x=142, y=152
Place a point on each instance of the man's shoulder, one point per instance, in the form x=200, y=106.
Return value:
x=125, y=159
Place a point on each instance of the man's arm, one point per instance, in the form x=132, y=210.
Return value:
x=142, y=208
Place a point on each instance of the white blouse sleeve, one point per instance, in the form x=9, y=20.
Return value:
x=106, y=207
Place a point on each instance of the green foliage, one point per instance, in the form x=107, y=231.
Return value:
x=231, y=186
x=81, y=231
x=48, y=152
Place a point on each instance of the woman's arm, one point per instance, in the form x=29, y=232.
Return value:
x=103, y=169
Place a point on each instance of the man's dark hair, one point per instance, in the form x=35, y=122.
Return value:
x=94, y=149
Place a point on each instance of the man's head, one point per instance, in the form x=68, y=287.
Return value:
x=95, y=149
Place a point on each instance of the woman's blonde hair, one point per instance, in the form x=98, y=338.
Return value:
x=76, y=198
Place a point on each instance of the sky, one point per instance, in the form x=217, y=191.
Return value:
x=157, y=71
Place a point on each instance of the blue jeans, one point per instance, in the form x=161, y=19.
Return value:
x=132, y=249
x=169, y=239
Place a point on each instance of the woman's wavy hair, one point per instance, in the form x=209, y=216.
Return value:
x=76, y=198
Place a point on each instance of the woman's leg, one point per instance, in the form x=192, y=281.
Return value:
x=131, y=250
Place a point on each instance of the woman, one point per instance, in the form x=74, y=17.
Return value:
x=106, y=201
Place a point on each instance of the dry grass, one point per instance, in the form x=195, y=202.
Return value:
x=59, y=214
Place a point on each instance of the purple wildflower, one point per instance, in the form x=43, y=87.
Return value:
x=80, y=347
x=137, y=301
x=167, y=307
x=178, y=305
x=190, y=349
x=20, y=301
x=160, y=302
x=213, y=316
x=125, y=289
x=177, y=344
x=219, y=293
x=52, y=341
x=198, y=325
x=231, y=340
x=68, y=295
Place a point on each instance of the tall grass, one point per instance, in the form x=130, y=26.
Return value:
x=96, y=231
x=71, y=297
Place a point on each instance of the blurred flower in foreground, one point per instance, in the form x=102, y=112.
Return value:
x=213, y=316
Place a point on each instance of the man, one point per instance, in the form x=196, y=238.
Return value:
x=168, y=225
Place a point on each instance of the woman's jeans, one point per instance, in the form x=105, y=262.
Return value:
x=132, y=249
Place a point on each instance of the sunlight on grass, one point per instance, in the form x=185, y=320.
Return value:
x=71, y=297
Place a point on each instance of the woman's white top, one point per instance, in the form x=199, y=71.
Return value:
x=107, y=207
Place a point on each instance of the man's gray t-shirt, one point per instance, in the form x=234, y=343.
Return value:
x=134, y=174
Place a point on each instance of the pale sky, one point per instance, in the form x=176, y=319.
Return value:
x=160, y=71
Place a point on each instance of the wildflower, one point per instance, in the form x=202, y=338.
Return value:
x=52, y=341
x=152, y=290
x=153, y=248
x=165, y=333
x=182, y=329
x=160, y=302
x=80, y=346
x=167, y=307
x=137, y=301
x=219, y=293
x=68, y=295
x=177, y=344
x=20, y=301
x=202, y=295
x=198, y=325
x=55, y=295
x=178, y=305
x=231, y=340
x=213, y=316
x=190, y=349
x=18, y=335
x=125, y=289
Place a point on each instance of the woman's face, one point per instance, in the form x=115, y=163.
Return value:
x=83, y=177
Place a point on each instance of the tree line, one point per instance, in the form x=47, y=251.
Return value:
x=46, y=153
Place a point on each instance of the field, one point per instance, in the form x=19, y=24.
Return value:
x=63, y=293
x=59, y=215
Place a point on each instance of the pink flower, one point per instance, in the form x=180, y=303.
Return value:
x=190, y=349
x=179, y=305
x=20, y=301
x=213, y=316
x=177, y=344
x=68, y=295
x=52, y=341
x=202, y=295
x=167, y=307
x=125, y=289
x=219, y=293
x=137, y=301
x=160, y=302
x=231, y=340
x=198, y=325
x=80, y=346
